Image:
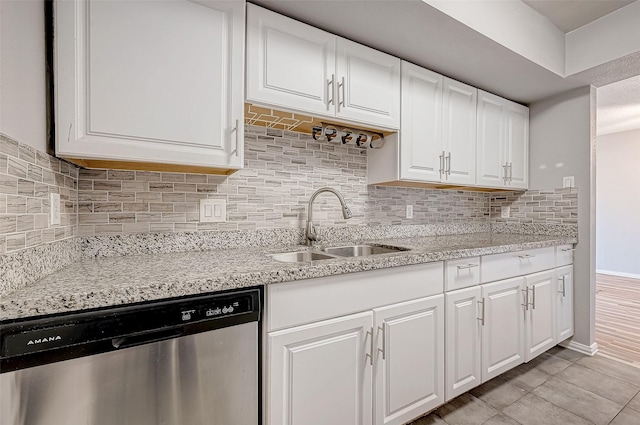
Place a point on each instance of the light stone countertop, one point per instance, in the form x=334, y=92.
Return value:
x=109, y=281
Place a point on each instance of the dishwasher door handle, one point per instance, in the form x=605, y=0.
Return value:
x=146, y=338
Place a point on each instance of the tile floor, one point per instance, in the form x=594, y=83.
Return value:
x=560, y=387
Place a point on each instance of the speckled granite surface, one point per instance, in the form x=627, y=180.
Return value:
x=101, y=282
x=21, y=268
x=536, y=229
x=158, y=243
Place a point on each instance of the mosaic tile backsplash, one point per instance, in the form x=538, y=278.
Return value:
x=283, y=169
x=27, y=177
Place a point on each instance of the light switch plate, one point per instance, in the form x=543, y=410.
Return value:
x=54, y=208
x=213, y=210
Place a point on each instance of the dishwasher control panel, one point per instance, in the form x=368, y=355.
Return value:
x=135, y=324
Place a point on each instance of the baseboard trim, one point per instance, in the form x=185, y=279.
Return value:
x=620, y=274
x=589, y=350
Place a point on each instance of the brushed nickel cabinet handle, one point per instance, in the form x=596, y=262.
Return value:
x=341, y=90
x=526, y=299
x=526, y=256
x=506, y=174
x=468, y=266
x=383, y=350
x=563, y=292
x=237, y=130
x=568, y=249
x=370, y=353
x=448, y=160
x=533, y=291
x=511, y=171
x=330, y=89
x=482, y=312
x=441, y=156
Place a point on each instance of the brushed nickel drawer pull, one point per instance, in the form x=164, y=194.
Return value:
x=384, y=342
x=370, y=354
x=525, y=256
x=330, y=89
x=563, y=292
x=468, y=266
x=568, y=249
x=526, y=299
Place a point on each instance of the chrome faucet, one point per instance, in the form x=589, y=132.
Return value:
x=311, y=233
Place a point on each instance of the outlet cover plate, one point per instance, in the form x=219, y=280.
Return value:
x=54, y=208
x=409, y=211
x=213, y=210
x=505, y=212
x=568, y=181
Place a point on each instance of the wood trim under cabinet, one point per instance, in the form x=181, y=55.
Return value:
x=424, y=185
x=148, y=166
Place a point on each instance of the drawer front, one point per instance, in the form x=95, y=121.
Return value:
x=564, y=255
x=310, y=300
x=462, y=273
x=510, y=264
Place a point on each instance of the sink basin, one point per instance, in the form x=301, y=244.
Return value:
x=300, y=256
x=360, y=250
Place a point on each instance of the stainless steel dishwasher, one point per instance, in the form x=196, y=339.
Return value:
x=177, y=362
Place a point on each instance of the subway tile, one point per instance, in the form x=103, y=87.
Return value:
x=33, y=238
x=135, y=207
x=41, y=221
x=9, y=147
x=148, y=176
x=3, y=244
x=24, y=223
x=8, y=184
x=121, y=197
x=34, y=173
x=129, y=228
x=3, y=163
x=107, y=185
x=7, y=224
x=160, y=207
x=107, y=206
x=107, y=229
x=25, y=187
x=122, y=218
x=121, y=175
x=150, y=217
x=16, y=204
x=15, y=242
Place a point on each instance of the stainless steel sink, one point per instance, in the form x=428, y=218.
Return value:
x=300, y=256
x=361, y=250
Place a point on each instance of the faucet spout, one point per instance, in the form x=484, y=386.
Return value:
x=311, y=233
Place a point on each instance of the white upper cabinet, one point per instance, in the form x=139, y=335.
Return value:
x=367, y=85
x=294, y=66
x=421, y=125
x=437, y=140
x=503, y=142
x=459, y=132
x=150, y=82
x=290, y=65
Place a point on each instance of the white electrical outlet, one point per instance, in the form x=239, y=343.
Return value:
x=568, y=181
x=409, y=211
x=54, y=208
x=505, y=212
x=213, y=210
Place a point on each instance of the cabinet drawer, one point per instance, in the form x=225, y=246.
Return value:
x=564, y=255
x=509, y=264
x=462, y=273
x=305, y=301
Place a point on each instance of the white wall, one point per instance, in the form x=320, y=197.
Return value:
x=562, y=136
x=618, y=204
x=22, y=72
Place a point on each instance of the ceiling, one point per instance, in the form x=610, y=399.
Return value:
x=619, y=106
x=568, y=15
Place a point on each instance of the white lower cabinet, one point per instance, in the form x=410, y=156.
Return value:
x=564, y=303
x=409, y=360
x=503, y=326
x=321, y=373
x=540, y=328
x=463, y=341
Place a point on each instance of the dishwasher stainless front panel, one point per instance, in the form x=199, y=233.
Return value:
x=205, y=378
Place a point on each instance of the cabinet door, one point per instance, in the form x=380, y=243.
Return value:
x=564, y=303
x=290, y=65
x=459, y=131
x=463, y=341
x=321, y=373
x=368, y=85
x=491, y=159
x=517, y=140
x=409, y=372
x=421, y=156
x=147, y=81
x=540, y=326
x=503, y=330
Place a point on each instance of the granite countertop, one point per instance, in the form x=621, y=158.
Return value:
x=102, y=282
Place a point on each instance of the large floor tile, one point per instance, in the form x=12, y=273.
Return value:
x=586, y=404
x=612, y=368
x=431, y=419
x=635, y=403
x=599, y=383
x=466, y=410
x=566, y=354
x=498, y=393
x=526, y=377
x=550, y=364
x=628, y=416
x=501, y=419
x=533, y=410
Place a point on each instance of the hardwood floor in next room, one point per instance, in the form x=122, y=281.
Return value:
x=560, y=387
x=618, y=318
